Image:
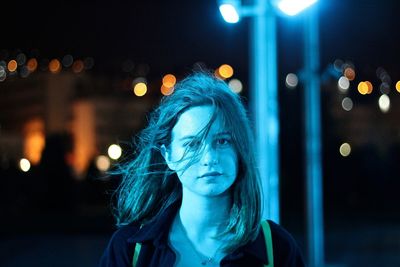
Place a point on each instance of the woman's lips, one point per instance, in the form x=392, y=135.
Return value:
x=210, y=174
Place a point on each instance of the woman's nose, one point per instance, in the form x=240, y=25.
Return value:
x=210, y=156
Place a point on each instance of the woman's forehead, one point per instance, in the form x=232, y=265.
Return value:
x=194, y=120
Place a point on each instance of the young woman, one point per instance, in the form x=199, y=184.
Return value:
x=191, y=195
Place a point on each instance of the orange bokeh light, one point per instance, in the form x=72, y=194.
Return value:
x=140, y=89
x=362, y=88
x=54, y=66
x=398, y=86
x=166, y=90
x=350, y=74
x=78, y=66
x=32, y=64
x=169, y=80
x=12, y=65
x=370, y=87
x=225, y=71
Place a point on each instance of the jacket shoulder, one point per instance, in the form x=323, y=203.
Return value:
x=285, y=248
x=119, y=251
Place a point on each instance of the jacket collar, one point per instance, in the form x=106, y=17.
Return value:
x=158, y=229
x=258, y=248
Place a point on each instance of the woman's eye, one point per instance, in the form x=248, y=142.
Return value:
x=192, y=144
x=223, y=141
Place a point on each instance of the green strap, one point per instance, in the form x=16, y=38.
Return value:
x=138, y=246
x=268, y=243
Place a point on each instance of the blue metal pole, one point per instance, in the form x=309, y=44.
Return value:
x=312, y=105
x=264, y=100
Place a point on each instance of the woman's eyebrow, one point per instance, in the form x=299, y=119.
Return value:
x=223, y=133
x=187, y=137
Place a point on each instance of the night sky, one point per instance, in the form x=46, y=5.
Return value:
x=173, y=35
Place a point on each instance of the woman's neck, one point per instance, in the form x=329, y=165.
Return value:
x=204, y=216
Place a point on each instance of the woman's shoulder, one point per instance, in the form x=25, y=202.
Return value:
x=279, y=233
x=285, y=247
x=124, y=232
x=119, y=250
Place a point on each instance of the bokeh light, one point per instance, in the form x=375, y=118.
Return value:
x=3, y=74
x=362, y=88
x=235, y=85
x=67, y=61
x=32, y=64
x=78, y=66
x=384, y=103
x=370, y=87
x=225, y=71
x=384, y=88
x=12, y=65
x=347, y=103
x=349, y=73
x=291, y=80
x=140, y=89
x=114, y=151
x=166, y=90
x=103, y=163
x=345, y=149
x=24, y=165
x=343, y=84
x=398, y=86
x=169, y=80
x=54, y=66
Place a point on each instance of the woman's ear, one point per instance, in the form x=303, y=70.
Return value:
x=167, y=157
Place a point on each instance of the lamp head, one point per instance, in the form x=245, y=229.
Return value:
x=293, y=7
x=229, y=10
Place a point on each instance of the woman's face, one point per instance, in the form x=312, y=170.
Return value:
x=215, y=169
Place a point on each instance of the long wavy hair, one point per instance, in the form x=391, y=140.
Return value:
x=148, y=186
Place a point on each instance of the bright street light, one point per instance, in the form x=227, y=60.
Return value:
x=293, y=7
x=229, y=13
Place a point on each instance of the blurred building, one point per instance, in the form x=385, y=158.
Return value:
x=96, y=110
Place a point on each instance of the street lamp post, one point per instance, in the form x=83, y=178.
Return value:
x=264, y=103
x=315, y=236
x=264, y=100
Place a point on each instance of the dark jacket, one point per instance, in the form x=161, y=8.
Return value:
x=156, y=251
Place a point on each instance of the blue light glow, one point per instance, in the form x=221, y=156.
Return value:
x=293, y=7
x=229, y=13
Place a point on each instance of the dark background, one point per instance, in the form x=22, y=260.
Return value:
x=362, y=224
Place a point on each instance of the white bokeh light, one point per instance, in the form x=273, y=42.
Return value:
x=347, y=103
x=384, y=103
x=24, y=165
x=291, y=80
x=343, y=84
x=345, y=149
x=236, y=85
x=114, y=151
